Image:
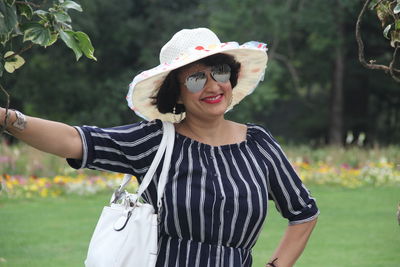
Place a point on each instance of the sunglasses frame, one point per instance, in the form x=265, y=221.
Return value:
x=195, y=82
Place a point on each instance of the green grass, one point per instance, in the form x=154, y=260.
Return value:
x=357, y=227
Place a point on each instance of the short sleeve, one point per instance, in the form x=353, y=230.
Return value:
x=292, y=199
x=124, y=149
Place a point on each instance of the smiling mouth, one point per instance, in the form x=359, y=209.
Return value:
x=213, y=99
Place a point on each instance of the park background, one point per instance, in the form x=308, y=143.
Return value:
x=338, y=122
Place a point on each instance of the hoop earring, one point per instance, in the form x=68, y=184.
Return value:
x=179, y=119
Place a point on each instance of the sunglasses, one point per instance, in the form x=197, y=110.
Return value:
x=220, y=73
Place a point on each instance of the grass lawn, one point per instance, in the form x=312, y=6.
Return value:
x=357, y=227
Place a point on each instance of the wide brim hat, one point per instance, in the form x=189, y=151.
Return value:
x=188, y=46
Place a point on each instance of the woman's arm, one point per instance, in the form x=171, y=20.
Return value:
x=292, y=244
x=49, y=136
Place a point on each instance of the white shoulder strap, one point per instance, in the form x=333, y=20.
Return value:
x=170, y=132
x=166, y=146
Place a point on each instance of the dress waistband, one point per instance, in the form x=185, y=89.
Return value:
x=199, y=243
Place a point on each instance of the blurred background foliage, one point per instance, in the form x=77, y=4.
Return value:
x=315, y=90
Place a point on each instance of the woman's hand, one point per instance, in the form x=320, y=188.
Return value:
x=49, y=136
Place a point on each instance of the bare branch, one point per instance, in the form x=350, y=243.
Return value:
x=2, y=128
x=397, y=79
x=360, y=43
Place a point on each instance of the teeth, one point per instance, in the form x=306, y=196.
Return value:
x=213, y=98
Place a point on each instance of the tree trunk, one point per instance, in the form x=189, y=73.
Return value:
x=336, y=104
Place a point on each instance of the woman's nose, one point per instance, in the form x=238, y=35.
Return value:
x=211, y=83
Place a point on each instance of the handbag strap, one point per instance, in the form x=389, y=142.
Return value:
x=166, y=146
x=162, y=180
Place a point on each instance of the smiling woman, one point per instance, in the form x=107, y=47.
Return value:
x=222, y=173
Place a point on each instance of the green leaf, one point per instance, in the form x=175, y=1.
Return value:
x=395, y=38
x=397, y=23
x=85, y=44
x=371, y=5
x=62, y=17
x=13, y=63
x=41, y=13
x=383, y=13
x=69, y=39
x=53, y=39
x=4, y=38
x=8, y=18
x=24, y=9
x=71, y=5
x=36, y=33
x=386, y=31
x=396, y=9
x=10, y=2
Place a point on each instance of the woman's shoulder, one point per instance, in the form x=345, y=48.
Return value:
x=258, y=129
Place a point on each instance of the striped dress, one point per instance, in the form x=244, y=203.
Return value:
x=215, y=201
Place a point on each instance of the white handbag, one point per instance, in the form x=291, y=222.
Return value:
x=126, y=234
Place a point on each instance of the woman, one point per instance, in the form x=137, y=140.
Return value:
x=222, y=173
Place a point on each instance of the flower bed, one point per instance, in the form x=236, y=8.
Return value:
x=372, y=174
x=44, y=175
x=22, y=186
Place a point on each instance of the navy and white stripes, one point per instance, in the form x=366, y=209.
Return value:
x=215, y=201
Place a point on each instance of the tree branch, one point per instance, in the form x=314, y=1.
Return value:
x=360, y=43
x=29, y=3
x=397, y=79
x=20, y=51
x=2, y=128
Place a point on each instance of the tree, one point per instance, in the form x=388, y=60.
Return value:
x=307, y=47
x=128, y=38
x=309, y=56
x=388, y=13
x=23, y=21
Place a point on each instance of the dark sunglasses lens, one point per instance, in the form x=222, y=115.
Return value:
x=221, y=73
x=195, y=82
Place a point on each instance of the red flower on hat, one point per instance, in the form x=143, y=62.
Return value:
x=199, y=47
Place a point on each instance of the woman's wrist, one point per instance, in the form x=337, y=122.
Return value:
x=272, y=263
x=10, y=117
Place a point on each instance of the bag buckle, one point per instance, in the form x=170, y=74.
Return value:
x=117, y=195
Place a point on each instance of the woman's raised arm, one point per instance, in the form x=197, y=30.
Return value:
x=49, y=136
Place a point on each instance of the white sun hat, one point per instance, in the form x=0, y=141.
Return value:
x=188, y=46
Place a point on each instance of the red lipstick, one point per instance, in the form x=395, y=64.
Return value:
x=213, y=99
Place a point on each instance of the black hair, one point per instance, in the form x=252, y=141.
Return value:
x=167, y=95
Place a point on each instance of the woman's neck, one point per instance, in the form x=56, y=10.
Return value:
x=214, y=132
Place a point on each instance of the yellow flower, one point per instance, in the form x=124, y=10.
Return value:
x=44, y=192
x=33, y=187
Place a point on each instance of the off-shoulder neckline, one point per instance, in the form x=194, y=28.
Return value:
x=249, y=132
